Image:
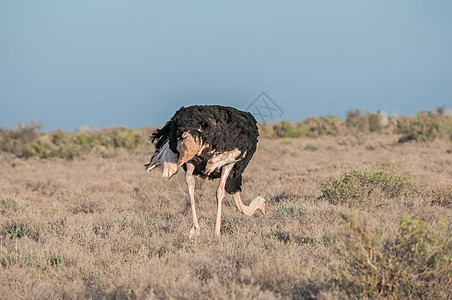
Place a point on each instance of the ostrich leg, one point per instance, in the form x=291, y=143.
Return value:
x=190, y=180
x=220, y=195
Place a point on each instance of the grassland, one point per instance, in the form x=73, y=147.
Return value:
x=348, y=216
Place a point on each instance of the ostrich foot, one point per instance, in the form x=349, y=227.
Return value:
x=194, y=232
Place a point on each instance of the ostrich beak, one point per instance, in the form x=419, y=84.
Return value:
x=263, y=209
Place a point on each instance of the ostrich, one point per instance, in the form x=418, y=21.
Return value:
x=210, y=141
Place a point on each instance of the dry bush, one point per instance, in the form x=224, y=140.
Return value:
x=357, y=120
x=414, y=263
x=327, y=125
x=369, y=122
x=362, y=188
x=424, y=127
x=15, y=140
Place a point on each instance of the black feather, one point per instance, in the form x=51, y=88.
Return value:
x=161, y=135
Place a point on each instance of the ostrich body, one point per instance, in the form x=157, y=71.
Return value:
x=212, y=142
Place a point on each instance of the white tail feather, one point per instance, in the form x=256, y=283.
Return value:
x=165, y=159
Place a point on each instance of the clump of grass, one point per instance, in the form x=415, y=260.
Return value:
x=290, y=237
x=440, y=195
x=288, y=208
x=19, y=230
x=416, y=262
x=56, y=260
x=8, y=204
x=359, y=187
x=104, y=229
x=310, y=147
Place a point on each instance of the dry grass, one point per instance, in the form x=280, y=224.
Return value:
x=96, y=227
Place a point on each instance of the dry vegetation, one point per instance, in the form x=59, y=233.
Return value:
x=353, y=215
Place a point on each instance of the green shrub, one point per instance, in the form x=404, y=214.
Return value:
x=57, y=137
x=361, y=187
x=39, y=148
x=416, y=262
x=85, y=140
x=67, y=152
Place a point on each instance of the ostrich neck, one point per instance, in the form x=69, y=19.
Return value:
x=249, y=210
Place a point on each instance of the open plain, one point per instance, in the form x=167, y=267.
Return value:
x=100, y=227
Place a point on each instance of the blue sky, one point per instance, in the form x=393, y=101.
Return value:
x=134, y=63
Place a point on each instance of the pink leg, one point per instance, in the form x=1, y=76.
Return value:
x=190, y=180
x=220, y=195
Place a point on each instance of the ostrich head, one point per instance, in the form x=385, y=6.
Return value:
x=259, y=203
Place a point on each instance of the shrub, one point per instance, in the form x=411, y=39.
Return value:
x=358, y=186
x=327, y=125
x=288, y=129
x=266, y=130
x=356, y=120
x=14, y=140
x=424, y=127
x=369, y=122
x=310, y=127
x=127, y=139
x=40, y=148
x=416, y=262
x=58, y=137
x=85, y=140
x=377, y=121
